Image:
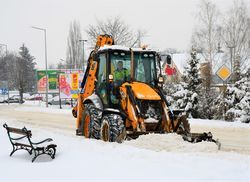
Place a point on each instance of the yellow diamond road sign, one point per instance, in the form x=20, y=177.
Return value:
x=224, y=72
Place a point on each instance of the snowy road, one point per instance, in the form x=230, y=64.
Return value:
x=149, y=158
x=235, y=139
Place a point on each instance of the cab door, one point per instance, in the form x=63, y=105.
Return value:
x=101, y=85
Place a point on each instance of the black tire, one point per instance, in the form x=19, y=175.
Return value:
x=90, y=124
x=112, y=128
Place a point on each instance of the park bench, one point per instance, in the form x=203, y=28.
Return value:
x=21, y=140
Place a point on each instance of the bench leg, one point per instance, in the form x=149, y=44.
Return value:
x=49, y=150
x=12, y=152
x=19, y=148
x=36, y=155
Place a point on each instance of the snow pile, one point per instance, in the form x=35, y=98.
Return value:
x=171, y=143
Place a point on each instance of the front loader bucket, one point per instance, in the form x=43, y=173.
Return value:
x=199, y=137
x=182, y=127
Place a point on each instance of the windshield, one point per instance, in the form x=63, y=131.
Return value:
x=145, y=67
x=120, y=66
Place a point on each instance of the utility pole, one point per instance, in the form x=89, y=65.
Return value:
x=232, y=60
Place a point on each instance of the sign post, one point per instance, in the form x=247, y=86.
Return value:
x=224, y=73
x=4, y=89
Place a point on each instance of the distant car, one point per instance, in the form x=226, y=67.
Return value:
x=1, y=99
x=36, y=97
x=55, y=101
x=13, y=99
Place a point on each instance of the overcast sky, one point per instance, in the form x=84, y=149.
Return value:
x=169, y=23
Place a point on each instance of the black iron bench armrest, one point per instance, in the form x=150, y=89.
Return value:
x=46, y=140
x=19, y=138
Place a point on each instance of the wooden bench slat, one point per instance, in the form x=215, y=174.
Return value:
x=19, y=131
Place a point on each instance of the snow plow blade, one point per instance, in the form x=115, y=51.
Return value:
x=199, y=137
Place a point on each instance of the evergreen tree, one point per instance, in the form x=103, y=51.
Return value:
x=192, y=76
x=206, y=108
x=25, y=71
x=191, y=88
x=237, y=99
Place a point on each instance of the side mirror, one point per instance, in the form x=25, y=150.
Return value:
x=160, y=80
x=111, y=78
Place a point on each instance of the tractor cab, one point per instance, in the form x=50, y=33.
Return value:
x=146, y=67
x=114, y=69
x=119, y=65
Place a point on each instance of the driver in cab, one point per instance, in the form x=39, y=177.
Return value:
x=121, y=74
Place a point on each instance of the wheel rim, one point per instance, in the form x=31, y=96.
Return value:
x=86, y=125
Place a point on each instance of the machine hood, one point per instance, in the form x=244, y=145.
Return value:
x=144, y=91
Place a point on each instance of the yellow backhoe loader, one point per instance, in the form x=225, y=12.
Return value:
x=121, y=96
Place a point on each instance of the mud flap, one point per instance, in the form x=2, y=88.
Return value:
x=199, y=137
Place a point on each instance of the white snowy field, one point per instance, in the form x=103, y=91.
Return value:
x=151, y=157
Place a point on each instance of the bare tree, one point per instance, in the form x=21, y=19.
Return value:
x=205, y=37
x=118, y=29
x=74, y=55
x=138, y=38
x=236, y=37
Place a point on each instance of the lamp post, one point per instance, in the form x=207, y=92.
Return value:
x=232, y=49
x=83, y=53
x=46, y=68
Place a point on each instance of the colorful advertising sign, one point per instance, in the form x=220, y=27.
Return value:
x=69, y=85
x=52, y=83
x=69, y=82
x=65, y=89
x=41, y=81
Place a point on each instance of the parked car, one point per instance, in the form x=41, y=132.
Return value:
x=36, y=97
x=1, y=99
x=55, y=101
x=13, y=99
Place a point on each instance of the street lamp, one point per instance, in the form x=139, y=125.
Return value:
x=83, y=53
x=46, y=68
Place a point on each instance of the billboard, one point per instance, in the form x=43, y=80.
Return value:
x=70, y=84
x=68, y=81
x=52, y=81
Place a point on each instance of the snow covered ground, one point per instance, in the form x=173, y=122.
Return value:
x=151, y=157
